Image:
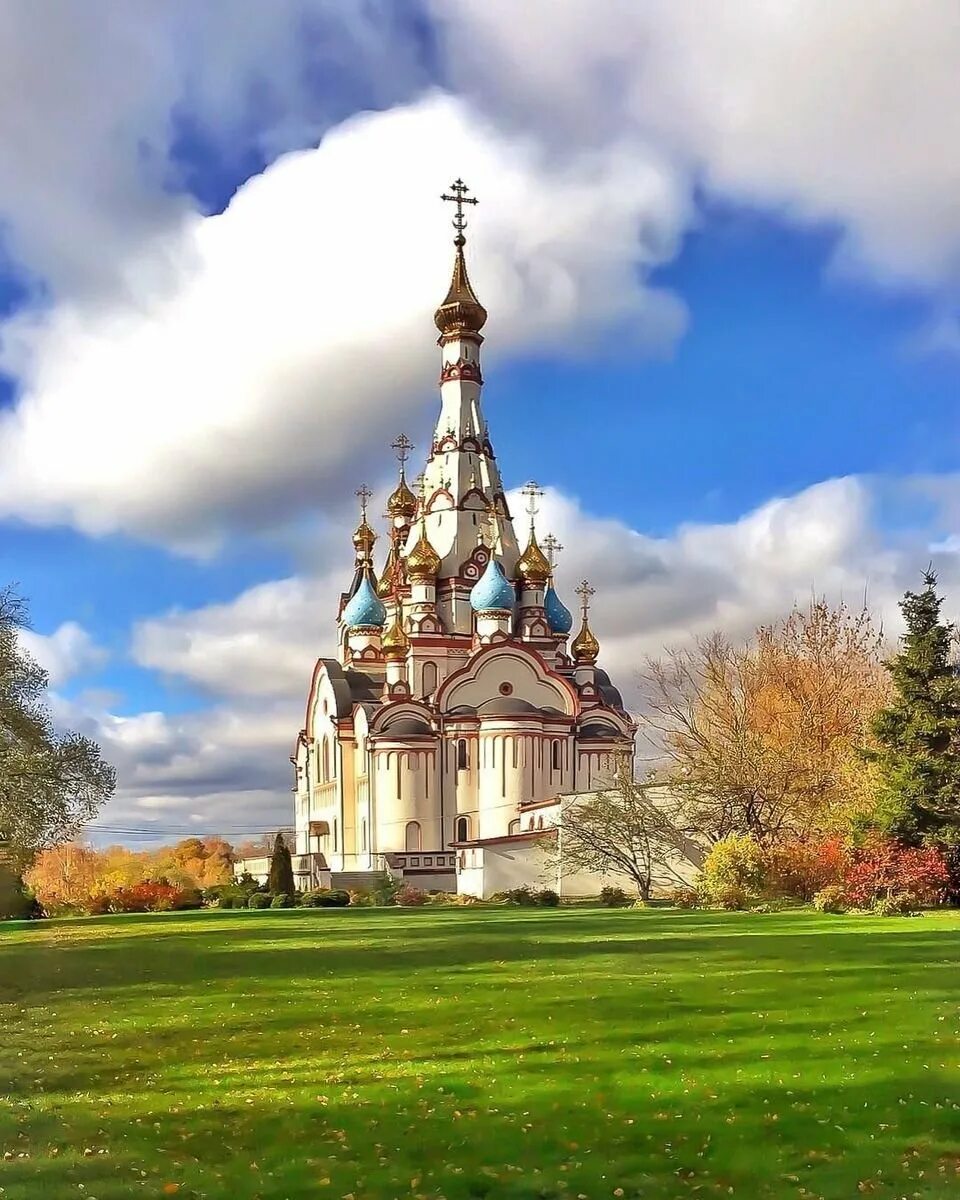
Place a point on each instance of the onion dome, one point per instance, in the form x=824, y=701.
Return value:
x=559, y=617
x=493, y=592
x=364, y=609
x=585, y=646
x=363, y=539
x=461, y=312
x=532, y=564
x=402, y=502
x=392, y=576
x=423, y=562
x=395, y=642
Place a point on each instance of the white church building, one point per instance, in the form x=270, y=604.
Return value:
x=458, y=710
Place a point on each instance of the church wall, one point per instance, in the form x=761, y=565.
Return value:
x=407, y=792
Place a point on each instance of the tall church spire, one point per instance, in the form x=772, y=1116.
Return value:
x=462, y=480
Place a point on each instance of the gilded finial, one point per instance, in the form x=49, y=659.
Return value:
x=423, y=562
x=461, y=312
x=532, y=565
x=364, y=537
x=552, y=546
x=585, y=646
x=402, y=502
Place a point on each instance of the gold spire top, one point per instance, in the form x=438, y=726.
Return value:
x=553, y=548
x=395, y=642
x=364, y=537
x=461, y=312
x=585, y=646
x=423, y=562
x=402, y=502
x=532, y=565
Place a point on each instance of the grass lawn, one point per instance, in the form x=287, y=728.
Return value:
x=480, y=1052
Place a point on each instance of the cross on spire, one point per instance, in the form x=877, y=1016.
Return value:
x=553, y=548
x=533, y=491
x=402, y=447
x=585, y=591
x=363, y=494
x=459, y=198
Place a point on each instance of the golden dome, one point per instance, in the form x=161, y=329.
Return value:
x=461, y=311
x=391, y=568
x=395, y=642
x=402, y=502
x=423, y=562
x=364, y=538
x=532, y=564
x=585, y=646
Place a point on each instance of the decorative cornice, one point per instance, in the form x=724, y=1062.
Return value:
x=464, y=368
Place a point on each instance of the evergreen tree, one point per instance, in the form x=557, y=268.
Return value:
x=281, y=869
x=918, y=733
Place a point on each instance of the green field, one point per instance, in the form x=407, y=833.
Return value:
x=480, y=1052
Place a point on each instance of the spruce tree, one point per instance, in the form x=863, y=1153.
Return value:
x=918, y=733
x=281, y=869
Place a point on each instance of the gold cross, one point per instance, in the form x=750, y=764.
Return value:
x=402, y=447
x=553, y=548
x=363, y=494
x=459, y=198
x=533, y=491
x=585, y=591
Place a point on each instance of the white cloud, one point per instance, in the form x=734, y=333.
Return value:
x=839, y=113
x=301, y=323
x=67, y=652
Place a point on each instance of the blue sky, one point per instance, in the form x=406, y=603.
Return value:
x=728, y=349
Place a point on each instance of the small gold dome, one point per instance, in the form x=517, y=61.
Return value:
x=461, y=311
x=585, y=646
x=532, y=564
x=402, y=502
x=395, y=642
x=392, y=574
x=423, y=562
x=364, y=538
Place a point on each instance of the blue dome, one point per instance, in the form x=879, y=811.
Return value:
x=558, y=615
x=364, y=607
x=493, y=590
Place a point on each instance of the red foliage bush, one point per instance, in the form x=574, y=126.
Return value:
x=800, y=869
x=411, y=897
x=148, y=896
x=884, y=869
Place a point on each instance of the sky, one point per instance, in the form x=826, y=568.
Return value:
x=721, y=256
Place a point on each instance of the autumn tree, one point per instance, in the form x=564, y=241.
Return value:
x=66, y=876
x=281, y=869
x=918, y=733
x=50, y=782
x=630, y=829
x=766, y=737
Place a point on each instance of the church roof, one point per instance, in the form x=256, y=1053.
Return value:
x=559, y=617
x=364, y=608
x=493, y=592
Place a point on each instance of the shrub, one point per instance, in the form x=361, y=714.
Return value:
x=830, y=899
x=325, y=898
x=883, y=869
x=522, y=895
x=683, y=897
x=614, y=897
x=283, y=900
x=547, y=898
x=259, y=900
x=441, y=897
x=386, y=892
x=411, y=897
x=97, y=905
x=897, y=905
x=639, y=903
x=17, y=901
x=148, y=896
x=360, y=898
x=799, y=869
x=733, y=872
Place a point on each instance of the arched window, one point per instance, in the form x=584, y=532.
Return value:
x=514, y=826
x=413, y=835
x=463, y=755
x=539, y=822
x=429, y=678
x=326, y=761
x=555, y=761
x=462, y=829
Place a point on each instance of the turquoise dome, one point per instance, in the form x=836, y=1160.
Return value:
x=493, y=590
x=364, y=607
x=558, y=615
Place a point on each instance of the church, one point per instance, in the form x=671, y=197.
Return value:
x=439, y=743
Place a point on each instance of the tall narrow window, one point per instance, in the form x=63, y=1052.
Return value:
x=514, y=826
x=556, y=756
x=462, y=829
x=336, y=841
x=463, y=757
x=363, y=834
x=326, y=761
x=429, y=678
x=413, y=835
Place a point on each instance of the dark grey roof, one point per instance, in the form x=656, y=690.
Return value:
x=597, y=729
x=608, y=693
x=405, y=727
